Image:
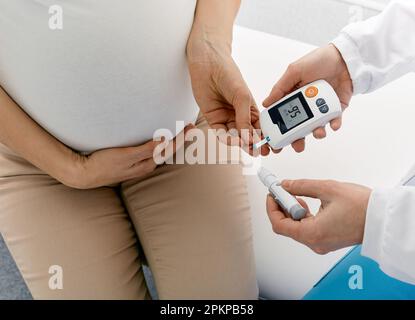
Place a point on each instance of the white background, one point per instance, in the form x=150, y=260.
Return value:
x=312, y=21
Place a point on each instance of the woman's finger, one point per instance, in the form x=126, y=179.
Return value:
x=242, y=104
x=265, y=150
x=146, y=151
x=165, y=151
x=257, y=137
x=142, y=168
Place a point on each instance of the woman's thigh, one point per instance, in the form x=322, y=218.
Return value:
x=194, y=224
x=87, y=235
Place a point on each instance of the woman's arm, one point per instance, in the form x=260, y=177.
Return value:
x=24, y=136
x=214, y=21
x=105, y=167
x=218, y=86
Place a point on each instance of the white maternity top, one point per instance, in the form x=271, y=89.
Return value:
x=111, y=77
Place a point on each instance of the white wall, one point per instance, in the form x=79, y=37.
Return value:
x=312, y=21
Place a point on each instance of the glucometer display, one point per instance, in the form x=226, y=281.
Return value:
x=291, y=113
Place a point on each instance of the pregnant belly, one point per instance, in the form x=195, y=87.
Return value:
x=112, y=77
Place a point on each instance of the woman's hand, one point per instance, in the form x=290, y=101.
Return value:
x=111, y=166
x=218, y=86
x=324, y=63
x=220, y=90
x=339, y=223
x=101, y=168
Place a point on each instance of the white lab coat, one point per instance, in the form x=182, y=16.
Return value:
x=377, y=51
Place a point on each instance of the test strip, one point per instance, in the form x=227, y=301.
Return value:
x=261, y=143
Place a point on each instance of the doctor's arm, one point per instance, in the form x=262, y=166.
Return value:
x=365, y=56
x=382, y=220
x=380, y=49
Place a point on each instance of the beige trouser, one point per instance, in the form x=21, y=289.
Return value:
x=191, y=221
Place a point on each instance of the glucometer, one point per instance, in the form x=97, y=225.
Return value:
x=299, y=114
x=285, y=200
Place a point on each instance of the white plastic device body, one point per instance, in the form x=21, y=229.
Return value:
x=300, y=113
x=287, y=202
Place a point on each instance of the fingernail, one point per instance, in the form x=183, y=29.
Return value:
x=247, y=138
x=286, y=183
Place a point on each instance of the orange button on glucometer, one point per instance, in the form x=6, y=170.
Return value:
x=311, y=92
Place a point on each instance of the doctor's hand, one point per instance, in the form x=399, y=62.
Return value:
x=339, y=223
x=221, y=92
x=324, y=63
